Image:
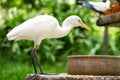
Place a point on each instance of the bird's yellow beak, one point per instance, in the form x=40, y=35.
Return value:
x=84, y=26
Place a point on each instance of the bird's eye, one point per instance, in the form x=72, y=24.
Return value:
x=79, y=20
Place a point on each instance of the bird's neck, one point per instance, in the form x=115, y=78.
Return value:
x=63, y=31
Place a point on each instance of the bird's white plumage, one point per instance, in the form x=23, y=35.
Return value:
x=33, y=28
x=43, y=26
x=101, y=6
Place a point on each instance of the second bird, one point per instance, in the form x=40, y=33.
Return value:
x=100, y=7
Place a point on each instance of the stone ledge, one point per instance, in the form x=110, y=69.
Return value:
x=70, y=77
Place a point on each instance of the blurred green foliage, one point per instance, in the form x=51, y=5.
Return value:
x=51, y=51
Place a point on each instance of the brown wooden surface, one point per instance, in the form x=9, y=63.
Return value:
x=70, y=77
x=110, y=20
x=93, y=65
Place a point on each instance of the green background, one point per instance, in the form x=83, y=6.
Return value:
x=15, y=61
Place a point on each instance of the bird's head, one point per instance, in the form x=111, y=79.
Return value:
x=75, y=21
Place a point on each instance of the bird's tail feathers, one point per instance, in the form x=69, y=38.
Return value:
x=86, y=4
x=83, y=3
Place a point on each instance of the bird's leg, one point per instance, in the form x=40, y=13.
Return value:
x=33, y=61
x=34, y=58
x=38, y=62
x=39, y=65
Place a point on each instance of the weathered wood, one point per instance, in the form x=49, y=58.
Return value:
x=70, y=77
x=110, y=20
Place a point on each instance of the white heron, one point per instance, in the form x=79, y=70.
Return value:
x=42, y=27
x=100, y=7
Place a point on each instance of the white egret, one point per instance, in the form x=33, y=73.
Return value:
x=100, y=7
x=42, y=27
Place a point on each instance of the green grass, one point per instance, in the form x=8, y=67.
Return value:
x=18, y=71
x=14, y=71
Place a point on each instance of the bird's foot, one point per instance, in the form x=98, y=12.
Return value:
x=37, y=75
x=33, y=77
x=48, y=74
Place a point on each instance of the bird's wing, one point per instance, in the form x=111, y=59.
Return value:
x=99, y=6
x=31, y=27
